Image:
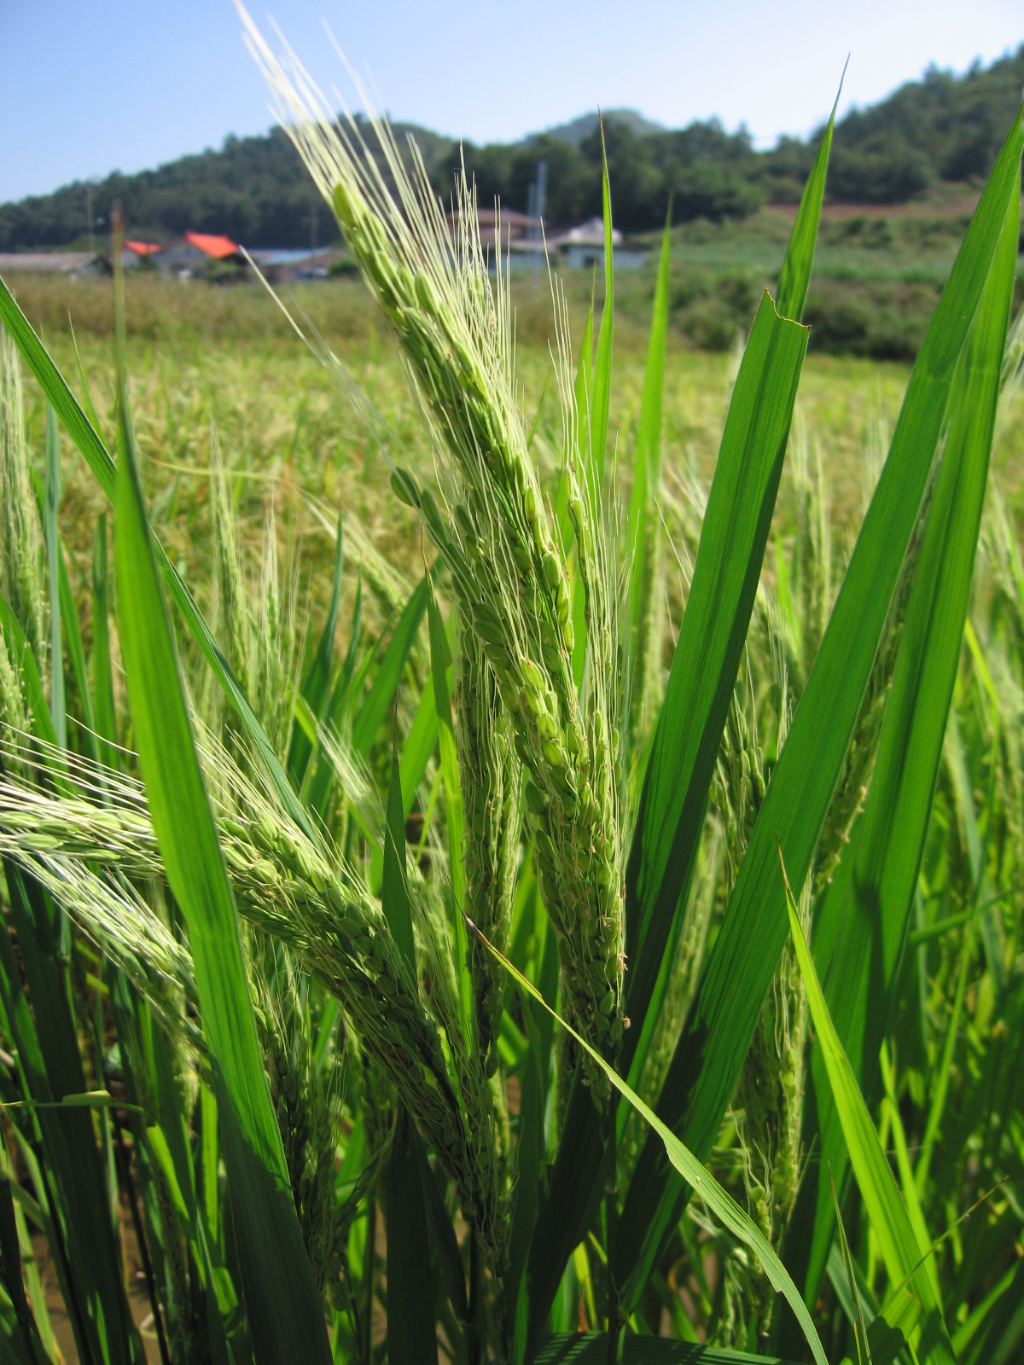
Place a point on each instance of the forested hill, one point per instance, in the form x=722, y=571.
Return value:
x=943, y=128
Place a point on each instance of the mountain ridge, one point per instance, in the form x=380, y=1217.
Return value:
x=941, y=128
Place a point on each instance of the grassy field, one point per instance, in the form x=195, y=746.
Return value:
x=288, y=429
x=289, y=432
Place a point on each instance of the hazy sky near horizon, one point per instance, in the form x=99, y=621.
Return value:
x=93, y=87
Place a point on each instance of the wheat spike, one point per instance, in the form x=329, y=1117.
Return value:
x=508, y=572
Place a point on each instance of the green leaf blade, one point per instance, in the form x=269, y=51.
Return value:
x=454, y=808
x=412, y=1339
x=889, y=1219
x=600, y=401
x=285, y=1314
x=394, y=891
x=382, y=691
x=53, y=558
x=795, y=277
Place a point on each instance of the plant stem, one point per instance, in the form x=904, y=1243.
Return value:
x=611, y=1219
x=124, y=1161
x=366, y=1345
x=473, y=1325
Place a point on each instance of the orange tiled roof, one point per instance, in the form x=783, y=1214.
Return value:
x=142, y=248
x=217, y=247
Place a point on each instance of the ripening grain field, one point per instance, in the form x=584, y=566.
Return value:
x=512, y=827
x=288, y=430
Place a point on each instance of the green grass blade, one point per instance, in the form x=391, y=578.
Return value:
x=855, y=1308
x=284, y=1310
x=796, y=268
x=394, y=890
x=317, y=787
x=944, y=1071
x=209, y=1153
x=419, y=745
x=89, y=408
x=105, y=715
x=412, y=1339
x=317, y=682
x=99, y=460
x=719, y=1202
x=440, y=659
x=861, y=929
x=963, y=793
x=721, y=1022
x=66, y=617
x=710, y=644
x=888, y=1216
x=582, y=390
x=24, y=660
x=50, y=526
x=592, y=1349
x=647, y=465
x=649, y=431
x=385, y=683
x=584, y=386
x=906, y=1174
x=146, y=1059
x=76, y=655
x=349, y=683
x=411, y=1335
x=600, y=400
x=529, y=1154
x=58, y=395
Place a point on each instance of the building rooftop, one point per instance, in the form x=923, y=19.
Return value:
x=44, y=262
x=217, y=248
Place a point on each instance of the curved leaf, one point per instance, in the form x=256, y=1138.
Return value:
x=889, y=1219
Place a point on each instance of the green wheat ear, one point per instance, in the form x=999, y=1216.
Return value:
x=509, y=573
x=288, y=887
x=491, y=778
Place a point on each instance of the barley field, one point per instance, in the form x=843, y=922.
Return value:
x=511, y=824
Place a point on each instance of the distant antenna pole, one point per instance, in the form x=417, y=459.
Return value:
x=538, y=205
x=542, y=191
x=88, y=211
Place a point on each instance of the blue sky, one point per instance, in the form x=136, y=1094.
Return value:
x=90, y=86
